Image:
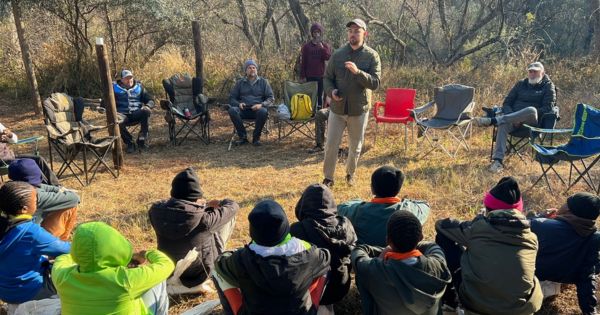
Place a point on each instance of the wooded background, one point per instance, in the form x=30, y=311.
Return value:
x=154, y=38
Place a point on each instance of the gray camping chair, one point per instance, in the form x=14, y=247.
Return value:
x=183, y=94
x=454, y=105
x=302, y=126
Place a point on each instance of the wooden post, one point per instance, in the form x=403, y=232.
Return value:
x=109, y=100
x=198, y=51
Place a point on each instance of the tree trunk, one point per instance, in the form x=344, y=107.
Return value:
x=199, y=56
x=27, y=62
x=595, y=26
x=276, y=32
x=301, y=19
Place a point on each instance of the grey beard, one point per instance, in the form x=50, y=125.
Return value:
x=535, y=81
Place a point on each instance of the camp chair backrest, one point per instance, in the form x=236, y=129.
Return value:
x=182, y=89
x=291, y=88
x=60, y=115
x=587, y=122
x=452, y=100
x=399, y=102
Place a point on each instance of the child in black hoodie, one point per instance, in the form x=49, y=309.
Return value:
x=319, y=224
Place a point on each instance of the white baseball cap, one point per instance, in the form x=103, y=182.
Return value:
x=126, y=73
x=537, y=66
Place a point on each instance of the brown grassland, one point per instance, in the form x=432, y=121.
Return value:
x=281, y=170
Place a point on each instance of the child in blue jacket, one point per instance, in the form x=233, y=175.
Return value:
x=24, y=247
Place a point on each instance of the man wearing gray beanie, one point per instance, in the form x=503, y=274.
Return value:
x=249, y=99
x=569, y=244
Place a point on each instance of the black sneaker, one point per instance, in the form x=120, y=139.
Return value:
x=257, y=143
x=241, y=141
x=328, y=182
x=141, y=143
x=350, y=180
x=316, y=149
x=130, y=148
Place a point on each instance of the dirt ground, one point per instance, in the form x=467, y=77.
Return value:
x=281, y=170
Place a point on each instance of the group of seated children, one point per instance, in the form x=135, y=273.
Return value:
x=492, y=264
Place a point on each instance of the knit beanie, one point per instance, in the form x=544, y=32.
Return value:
x=25, y=170
x=315, y=27
x=186, y=185
x=584, y=205
x=249, y=63
x=505, y=195
x=386, y=181
x=268, y=223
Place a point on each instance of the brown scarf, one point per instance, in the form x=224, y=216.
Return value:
x=583, y=227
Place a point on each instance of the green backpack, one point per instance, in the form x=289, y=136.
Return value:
x=301, y=107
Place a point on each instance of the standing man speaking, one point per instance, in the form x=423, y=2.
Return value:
x=352, y=73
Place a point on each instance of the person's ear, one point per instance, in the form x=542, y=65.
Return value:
x=366, y=33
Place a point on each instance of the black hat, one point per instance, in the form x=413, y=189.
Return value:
x=186, y=185
x=507, y=190
x=386, y=181
x=268, y=223
x=584, y=205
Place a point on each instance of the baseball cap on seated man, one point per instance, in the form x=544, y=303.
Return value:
x=537, y=66
x=126, y=73
x=358, y=22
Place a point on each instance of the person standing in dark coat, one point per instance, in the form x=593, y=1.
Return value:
x=319, y=224
x=569, y=250
x=312, y=68
x=276, y=273
x=187, y=221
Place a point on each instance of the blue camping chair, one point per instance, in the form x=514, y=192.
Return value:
x=583, y=144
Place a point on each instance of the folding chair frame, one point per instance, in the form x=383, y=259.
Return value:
x=516, y=144
x=189, y=124
x=301, y=126
x=458, y=130
x=248, y=123
x=69, y=153
x=582, y=172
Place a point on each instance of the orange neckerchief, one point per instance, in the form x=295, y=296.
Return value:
x=402, y=256
x=386, y=200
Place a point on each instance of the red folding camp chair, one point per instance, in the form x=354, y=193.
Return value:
x=397, y=109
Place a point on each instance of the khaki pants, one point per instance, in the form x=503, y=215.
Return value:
x=336, y=124
x=60, y=223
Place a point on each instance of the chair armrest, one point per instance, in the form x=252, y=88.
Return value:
x=376, y=108
x=548, y=131
x=420, y=110
x=423, y=108
x=30, y=140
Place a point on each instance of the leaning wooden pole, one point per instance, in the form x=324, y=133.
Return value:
x=108, y=96
x=198, y=50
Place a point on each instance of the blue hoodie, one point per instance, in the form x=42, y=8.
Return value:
x=21, y=262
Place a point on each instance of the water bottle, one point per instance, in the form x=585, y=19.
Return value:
x=186, y=113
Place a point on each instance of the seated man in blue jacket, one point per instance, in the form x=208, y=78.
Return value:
x=249, y=99
x=134, y=105
x=569, y=247
x=526, y=102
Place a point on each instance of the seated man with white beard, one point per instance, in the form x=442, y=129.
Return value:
x=529, y=99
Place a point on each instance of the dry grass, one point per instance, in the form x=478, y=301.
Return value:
x=282, y=170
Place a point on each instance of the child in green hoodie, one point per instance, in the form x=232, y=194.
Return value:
x=102, y=275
